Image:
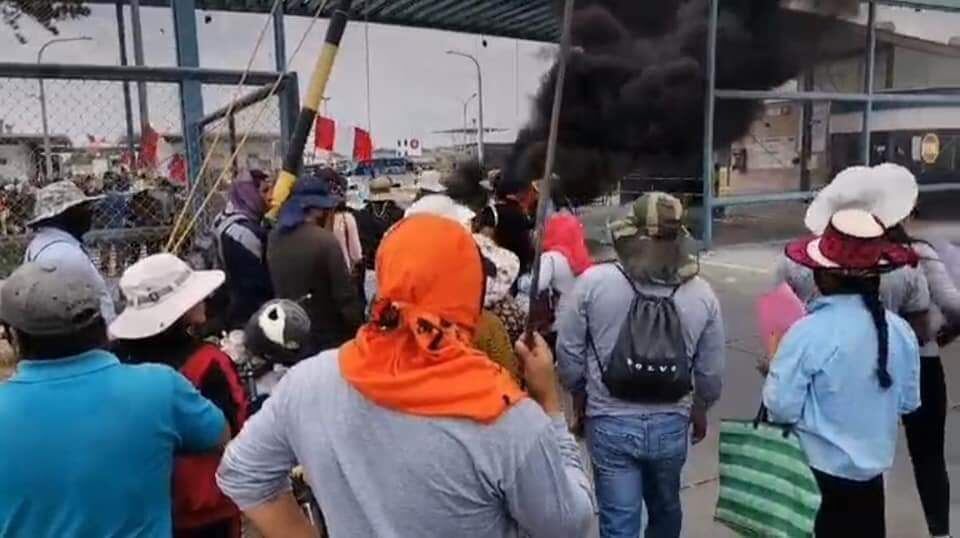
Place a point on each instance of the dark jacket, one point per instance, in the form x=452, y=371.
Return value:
x=514, y=232
x=373, y=221
x=242, y=248
x=309, y=261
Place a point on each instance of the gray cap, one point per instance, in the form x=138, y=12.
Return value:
x=46, y=299
x=56, y=198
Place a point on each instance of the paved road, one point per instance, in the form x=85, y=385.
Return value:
x=740, y=274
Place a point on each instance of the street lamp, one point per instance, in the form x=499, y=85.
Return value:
x=466, y=103
x=43, y=101
x=480, y=95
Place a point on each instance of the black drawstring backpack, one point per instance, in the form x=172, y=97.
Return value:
x=650, y=362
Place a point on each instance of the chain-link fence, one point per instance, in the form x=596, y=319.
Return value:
x=85, y=131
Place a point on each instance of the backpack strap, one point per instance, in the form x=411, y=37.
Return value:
x=593, y=347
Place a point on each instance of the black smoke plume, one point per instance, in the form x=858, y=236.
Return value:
x=636, y=85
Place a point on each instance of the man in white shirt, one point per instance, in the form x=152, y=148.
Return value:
x=61, y=216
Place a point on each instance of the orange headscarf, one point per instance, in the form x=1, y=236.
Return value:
x=416, y=356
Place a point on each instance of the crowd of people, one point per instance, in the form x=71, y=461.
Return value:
x=412, y=399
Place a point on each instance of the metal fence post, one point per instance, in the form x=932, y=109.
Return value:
x=708, y=115
x=870, y=57
x=289, y=107
x=127, y=103
x=191, y=96
x=280, y=58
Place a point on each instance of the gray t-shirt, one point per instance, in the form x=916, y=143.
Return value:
x=903, y=291
x=378, y=472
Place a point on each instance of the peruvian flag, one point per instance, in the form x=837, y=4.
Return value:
x=342, y=139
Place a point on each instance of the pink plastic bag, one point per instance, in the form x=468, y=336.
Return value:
x=777, y=311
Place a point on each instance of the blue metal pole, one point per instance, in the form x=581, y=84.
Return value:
x=288, y=110
x=868, y=74
x=191, y=95
x=708, y=116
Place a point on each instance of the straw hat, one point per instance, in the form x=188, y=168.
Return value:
x=159, y=290
x=888, y=192
x=381, y=190
x=854, y=240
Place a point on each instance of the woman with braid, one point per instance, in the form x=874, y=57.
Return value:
x=846, y=373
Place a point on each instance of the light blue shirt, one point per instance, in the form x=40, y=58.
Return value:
x=600, y=303
x=56, y=245
x=824, y=379
x=88, y=446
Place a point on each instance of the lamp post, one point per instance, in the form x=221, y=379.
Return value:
x=466, y=103
x=43, y=102
x=479, y=95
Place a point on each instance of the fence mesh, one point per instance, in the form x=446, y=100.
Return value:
x=141, y=179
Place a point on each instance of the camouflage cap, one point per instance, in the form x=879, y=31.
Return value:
x=652, y=243
x=655, y=215
x=56, y=198
x=47, y=299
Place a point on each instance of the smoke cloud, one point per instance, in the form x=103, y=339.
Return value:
x=636, y=85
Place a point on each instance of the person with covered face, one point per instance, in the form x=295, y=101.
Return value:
x=62, y=215
x=846, y=373
x=242, y=241
x=410, y=403
x=306, y=261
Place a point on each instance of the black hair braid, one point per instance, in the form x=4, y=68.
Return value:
x=871, y=298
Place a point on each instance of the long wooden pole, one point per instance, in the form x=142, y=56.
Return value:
x=547, y=182
x=311, y=103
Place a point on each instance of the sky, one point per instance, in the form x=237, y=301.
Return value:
x=416, y=88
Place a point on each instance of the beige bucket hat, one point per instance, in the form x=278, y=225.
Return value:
x=159, y=290
x=56, y=198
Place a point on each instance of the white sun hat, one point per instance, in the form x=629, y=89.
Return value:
x=887, y=191
x=432, y=181
x=159, y=290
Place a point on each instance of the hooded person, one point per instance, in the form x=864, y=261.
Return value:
x=656, y=264
x=62, y=215
x=564, y=258
x=492, y=335
x=306, y=261
x=93, y=440
x=411, y=403
x=161, y=324
x=847, y=340
x=241, y=244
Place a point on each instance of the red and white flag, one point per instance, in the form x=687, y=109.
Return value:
x=343, y=140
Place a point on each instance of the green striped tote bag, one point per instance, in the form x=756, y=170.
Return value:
x=766, y=486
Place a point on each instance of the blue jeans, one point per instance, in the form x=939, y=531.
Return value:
x=638, y=460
